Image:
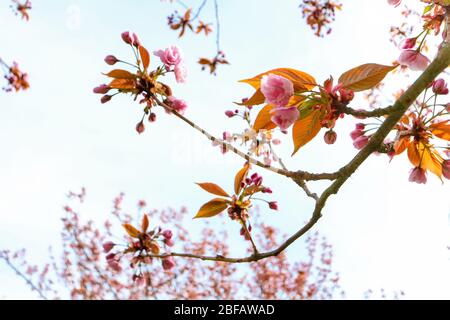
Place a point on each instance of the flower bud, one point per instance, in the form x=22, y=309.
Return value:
x=267, y=190
x=136, y=41
x=111, y=60
x=140, y=128
x=169, y=242
x=330, y=137
x=440, y=87
x=152, y=117
x=102, y=89
x=273, y=205
x=108, y=246
x=106, y=98
x=168, y=234
x=126, y=37
x=230, y=113
x=168, y=263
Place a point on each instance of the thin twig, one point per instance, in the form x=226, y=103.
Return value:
x=223, y=143
x=24, y=277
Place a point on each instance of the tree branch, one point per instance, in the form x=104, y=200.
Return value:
x=439, y=64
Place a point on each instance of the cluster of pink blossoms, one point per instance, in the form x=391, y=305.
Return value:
x=145, y=83
x=142, y=245
x=173, y=60
x=278, y=91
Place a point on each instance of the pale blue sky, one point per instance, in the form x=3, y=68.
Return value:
x=57, y=137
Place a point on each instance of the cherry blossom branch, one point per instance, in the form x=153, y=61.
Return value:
x=366, y=114
x=23, y=276
x=223, y=143
x=439, y=64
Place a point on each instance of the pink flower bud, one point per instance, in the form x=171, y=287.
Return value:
x=330, y=137
x=136, y=41
x=102, y=89
x=106, y=98
x=273, y=205
x=168, y=234
x=408, y=43
x=277, y=90
x=360, y=142
x=230, y=113
x=446, y=169
x=110, y=256
x=126, y=37
x=108, y=246
x=168, y=263
x=360, y=126
x=284, y=117
x=111, y=60
x=418, y=175
x=140, y=128
x=267, y=190
x=356, y=134
x=440, y=87
x=169, y=242
x=414, y=60
x=152, y=117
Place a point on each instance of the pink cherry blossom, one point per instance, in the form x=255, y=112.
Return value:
x=414, y=60
x=440, y=87
x=360, y=142
x=284, y=117
x=171, y=56
x=356, y=134
x=418, y=175
x=178, y=105
x=394, y=3
x=408, y=43
x=180, y=72
x=277, y=90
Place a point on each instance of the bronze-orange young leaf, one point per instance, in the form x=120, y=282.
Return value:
x=121, y=74
x=263, y=119
x=212, y=208
x=145, y=223
x=365, y=76
x=240, y=176
x=213, y=188
x=124, y=84
x=306, y=129
x=441, y=129
x=132, y=231
x=145, y=56
x=302, y=81
x=401, y=145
